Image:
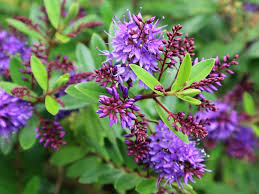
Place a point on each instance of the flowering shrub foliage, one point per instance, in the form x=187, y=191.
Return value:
x=110, y=110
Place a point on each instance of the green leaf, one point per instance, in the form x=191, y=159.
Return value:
x=16, y=75
x=183, y=73
x=110, y=176
x=7, y=144
x=25, y=29
x=72, y=13
x=248, y=103
x=91, y=90
x=74, y=92
x=189, y=188
x=78, y=168
x=32, y=187
x=67, y=155
x=62, y=80
x=147, y=186
x=53, y=10
x=39, y=72
x=72, y=103
x=92, y=174
x=84, y=58
x=112, y=30
x=201, y=70
x=83, y=20
x=96, y=44
x=107, y=12
x=51, y=105
x=189, y=92
x=164, y=115
x=27, y=136
x=146, y=77
x=189, y=99
x=62, y=38
x=255, y=129
x=8, y=86
x=126, y=182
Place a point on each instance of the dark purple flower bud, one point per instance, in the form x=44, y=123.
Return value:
x=159, y=88
x=51, y=134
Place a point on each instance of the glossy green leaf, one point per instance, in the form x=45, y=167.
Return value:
x=97, y=44
x=83, y=20
x=33, y=185
x=53, y=10
x=189, y=99
x=62, y=80
x=27, y=136
x=183, y=73
x=201, y=70
x=147, y=186
x=91, y=89
x=255, y=129
x=74, y=92
x=110, y=176
x=16, y=74
x=39, y=72
x=112, y=30
x=146, y=77
x=84, y=58
x=72, y=13
x=66, y=155
x=25, y=29
x=81, y=166
x=62, y=38
x=7, y=144
x=126, y=182
x=189, y=92
x=93, y=173
x=72, y=103
x=8, y=86
x=248, y=103
x=164, y=115
x=51, y=105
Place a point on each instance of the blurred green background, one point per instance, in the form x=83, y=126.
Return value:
x=219, y=27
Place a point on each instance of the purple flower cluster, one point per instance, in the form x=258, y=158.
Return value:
x=222, y=123
x=172, y=158
x=13, y=113
x=136, y=41
x=10, y=45
x=242, y=144
x=51, y=133
x=251, y=7
x=113, y=106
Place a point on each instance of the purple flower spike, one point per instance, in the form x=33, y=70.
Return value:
x=135, y=41
x=223, y=122
x=13, y=113
x=10, y=45
x=173, y=159
x=250, y=7
x=242, y=144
